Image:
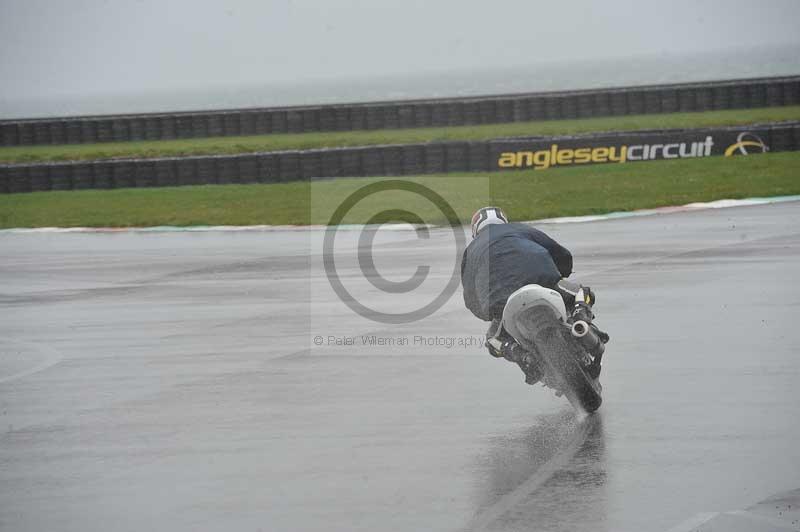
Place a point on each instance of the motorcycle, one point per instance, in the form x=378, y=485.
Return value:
x=566, y=346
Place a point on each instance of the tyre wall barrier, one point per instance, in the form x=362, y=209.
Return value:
x=718, y=95
x=407, y=159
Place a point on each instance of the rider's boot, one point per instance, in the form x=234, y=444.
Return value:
x=513, y=352
x=501, y=345
x=526, y=361
x=493, y=343
x=532, y=369
x=594, y=369
x=495, y=347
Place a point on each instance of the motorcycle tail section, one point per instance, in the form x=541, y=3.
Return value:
x=537, y=319
x=532, y=296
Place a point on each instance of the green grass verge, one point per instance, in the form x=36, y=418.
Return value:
x=527, y=194
x=234, y=145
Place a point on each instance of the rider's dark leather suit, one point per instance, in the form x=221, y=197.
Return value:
x=505, y=257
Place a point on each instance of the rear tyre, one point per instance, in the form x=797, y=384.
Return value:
x=545, y=334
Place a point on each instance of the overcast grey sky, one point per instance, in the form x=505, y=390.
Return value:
x=56, y=48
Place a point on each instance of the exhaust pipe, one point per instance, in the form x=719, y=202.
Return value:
x=588, y=338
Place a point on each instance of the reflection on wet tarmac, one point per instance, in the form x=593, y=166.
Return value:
x=550, y=476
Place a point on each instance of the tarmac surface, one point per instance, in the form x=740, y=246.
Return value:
x=214, y=381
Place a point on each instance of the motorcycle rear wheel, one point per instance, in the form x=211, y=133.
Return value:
x=545, y=334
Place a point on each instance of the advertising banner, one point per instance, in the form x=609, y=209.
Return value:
x=405, y=159
x=542, y=154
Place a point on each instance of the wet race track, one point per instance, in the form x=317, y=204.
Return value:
x=214, y=381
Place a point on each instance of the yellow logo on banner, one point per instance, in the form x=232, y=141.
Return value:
x=557, y=156
x=742, y=143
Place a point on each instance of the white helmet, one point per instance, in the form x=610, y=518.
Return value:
x=487, y=216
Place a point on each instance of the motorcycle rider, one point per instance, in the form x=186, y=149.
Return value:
x=502, y=258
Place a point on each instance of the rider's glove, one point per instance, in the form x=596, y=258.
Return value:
x=588, y=296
